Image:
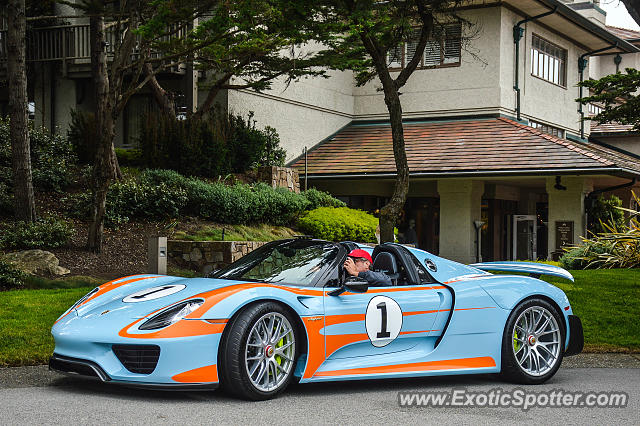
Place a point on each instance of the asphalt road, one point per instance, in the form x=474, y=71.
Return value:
x=33, y=395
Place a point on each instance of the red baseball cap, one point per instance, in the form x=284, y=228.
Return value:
x=361, y=253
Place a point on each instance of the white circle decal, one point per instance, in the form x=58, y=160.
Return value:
x=153, y=293
x=383, y=320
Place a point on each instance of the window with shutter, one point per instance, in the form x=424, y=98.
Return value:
x=548, y=61
x=442, y=49
x=452, y=44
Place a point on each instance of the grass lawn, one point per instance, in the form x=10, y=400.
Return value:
x=26, y=317
x=260, y=232
x=607, y=301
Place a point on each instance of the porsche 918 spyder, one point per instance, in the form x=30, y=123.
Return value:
x=287, y=311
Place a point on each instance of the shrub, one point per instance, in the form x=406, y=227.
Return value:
x=129, y=199
x=43, y=233
x=212, y=146
x=339, y=224
x=129, y=157
x=168, y=177
x=146, y=201
x=11, y=277
x=160, y=194
x=243, y=204
x=602, y=211
x=52, y=158
x=240, y=203
x=579, y=257
x=321, y=199
x=6, y=200
x=617, y=247
x=277, y=206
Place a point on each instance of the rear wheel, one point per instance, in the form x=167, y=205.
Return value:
x=532, y=343
x=259, y=352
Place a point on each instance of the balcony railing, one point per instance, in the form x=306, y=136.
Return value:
x=67, y=43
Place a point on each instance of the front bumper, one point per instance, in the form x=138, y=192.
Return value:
x=576, y=336
x=97, y=350
x=89, y=369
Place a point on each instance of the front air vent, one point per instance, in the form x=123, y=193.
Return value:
x=141, y=359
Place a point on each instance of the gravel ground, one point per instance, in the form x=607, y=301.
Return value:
x=33, y=396
x=39, y=375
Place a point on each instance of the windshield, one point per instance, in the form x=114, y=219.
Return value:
x=293, y=262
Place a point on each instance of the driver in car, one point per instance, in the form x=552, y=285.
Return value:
x=358, y=264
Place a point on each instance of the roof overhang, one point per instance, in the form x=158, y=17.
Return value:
x=592, y=171
x=572, y=25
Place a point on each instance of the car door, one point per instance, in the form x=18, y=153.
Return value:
x=369, y=326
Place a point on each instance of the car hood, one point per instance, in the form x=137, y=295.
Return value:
x=142, y=296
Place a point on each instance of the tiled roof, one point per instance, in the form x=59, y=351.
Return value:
x=623, y=33
x=462, y=146
x=610, y=128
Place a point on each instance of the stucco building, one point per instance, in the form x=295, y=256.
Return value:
x=496, y=145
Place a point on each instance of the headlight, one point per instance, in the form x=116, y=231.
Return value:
x=84, y=298
x=171, y=315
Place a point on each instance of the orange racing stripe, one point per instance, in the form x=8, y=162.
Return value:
x=315, y=354
x=184, y=328
x=341, y=319
x=450, y=364
x=205, y=374
x=417, y=331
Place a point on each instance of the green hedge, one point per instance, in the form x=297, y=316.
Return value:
x=41, y=234
x=161, y=194
x=339, y=224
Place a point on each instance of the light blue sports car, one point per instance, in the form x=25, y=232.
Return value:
x=287, y=312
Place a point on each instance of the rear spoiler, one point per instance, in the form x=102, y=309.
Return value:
x=533, y=269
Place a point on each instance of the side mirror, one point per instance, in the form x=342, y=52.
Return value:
x=352, y=284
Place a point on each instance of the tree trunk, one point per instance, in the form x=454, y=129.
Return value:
x=390, y=213
x=25, y=208
x=207, y=104
x=105, y=167
x=163, y=98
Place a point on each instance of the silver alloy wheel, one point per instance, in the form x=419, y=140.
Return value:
x=536, y=341
x=270, y=352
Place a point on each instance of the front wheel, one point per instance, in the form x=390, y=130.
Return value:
x=532, y=343
x=259, y=352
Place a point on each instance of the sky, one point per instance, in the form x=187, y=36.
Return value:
x=617, y=15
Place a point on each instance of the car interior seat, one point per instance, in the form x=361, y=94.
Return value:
x=386, y=262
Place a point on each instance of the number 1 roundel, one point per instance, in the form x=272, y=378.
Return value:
x=383, y=320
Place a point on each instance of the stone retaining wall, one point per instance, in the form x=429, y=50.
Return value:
x=280, y=177
x=206, y=256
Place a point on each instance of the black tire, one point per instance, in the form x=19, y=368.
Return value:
x=511, y=370
x=234, y=377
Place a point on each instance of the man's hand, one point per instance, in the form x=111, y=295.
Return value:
x=350, y=267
